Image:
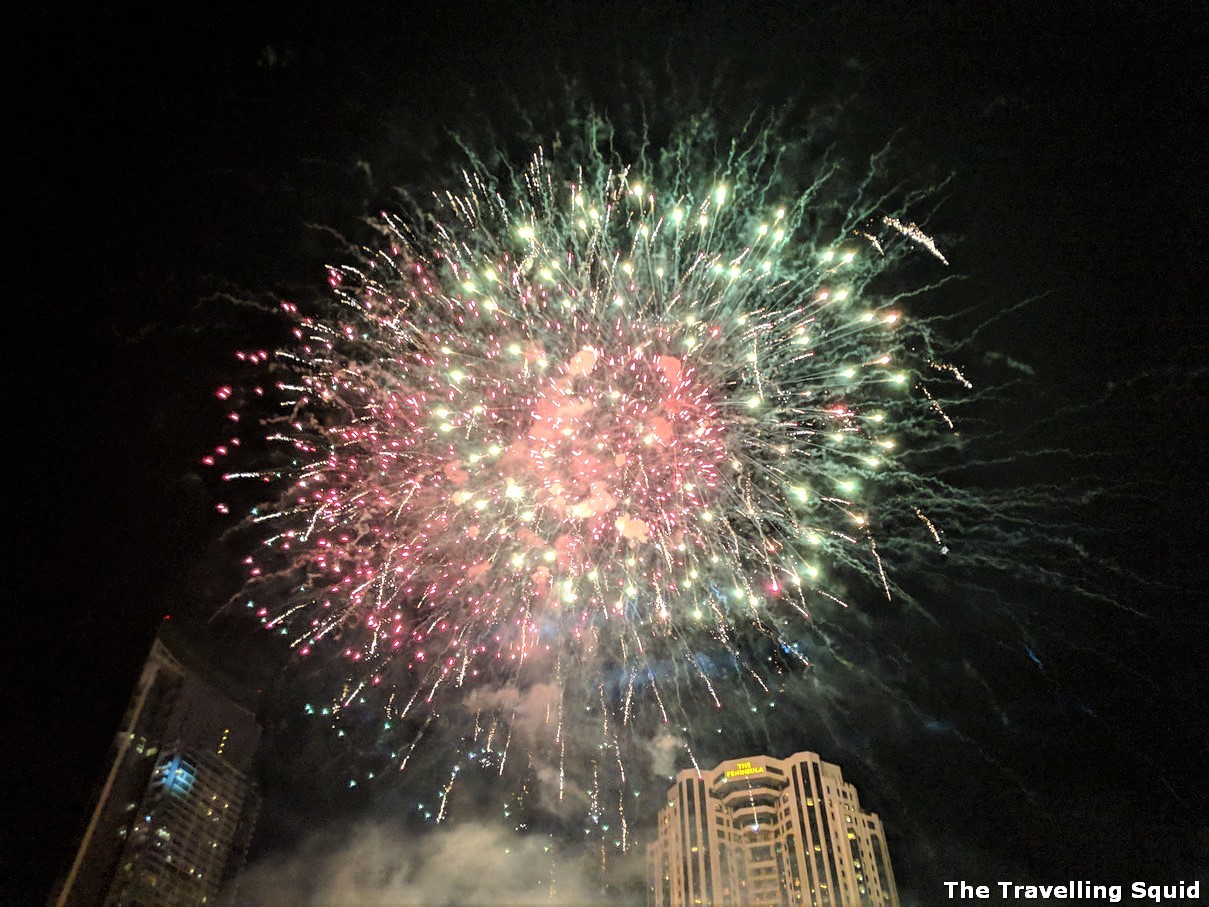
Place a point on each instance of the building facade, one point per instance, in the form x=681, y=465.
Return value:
x=175, y=812
x=763, y=831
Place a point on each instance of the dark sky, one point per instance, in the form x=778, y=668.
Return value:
x=160, y=158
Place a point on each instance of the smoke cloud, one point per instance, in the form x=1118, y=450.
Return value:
x=377, y=863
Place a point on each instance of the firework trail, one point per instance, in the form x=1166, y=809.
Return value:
x=597, y=437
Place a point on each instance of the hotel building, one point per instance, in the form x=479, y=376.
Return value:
x=763, y=831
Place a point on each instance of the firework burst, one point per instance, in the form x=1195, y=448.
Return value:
x=598, y=430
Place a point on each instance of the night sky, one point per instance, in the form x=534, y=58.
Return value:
x=165, y=160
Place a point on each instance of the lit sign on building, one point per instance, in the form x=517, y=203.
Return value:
x=743, y=769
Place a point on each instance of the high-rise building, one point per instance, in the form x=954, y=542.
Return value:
x=761, y=831
x=175, y=813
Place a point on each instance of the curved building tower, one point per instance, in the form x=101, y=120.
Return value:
x=763, y=831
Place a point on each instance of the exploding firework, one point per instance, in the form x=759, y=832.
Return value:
x=611, y=433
